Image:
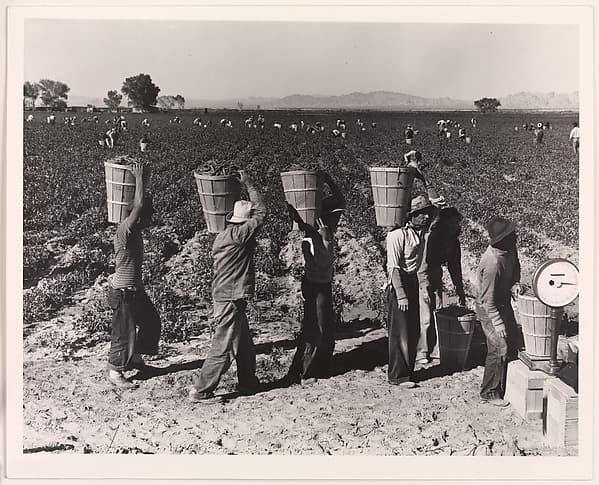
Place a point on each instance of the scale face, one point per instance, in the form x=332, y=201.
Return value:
x=555, y=282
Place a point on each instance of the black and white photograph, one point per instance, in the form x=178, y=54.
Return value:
x=280, y=242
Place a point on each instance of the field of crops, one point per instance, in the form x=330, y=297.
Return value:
x=67, y=241
x=67, y=255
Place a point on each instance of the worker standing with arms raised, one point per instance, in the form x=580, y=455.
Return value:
x=233, y=283
x=316, y=341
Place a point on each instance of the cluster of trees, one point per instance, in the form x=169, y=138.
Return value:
x=140, y=91
x=171, y=102
x=486, y=105
x=51, y=93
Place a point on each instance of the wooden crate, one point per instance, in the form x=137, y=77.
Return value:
x=560, y=420
x=524, y=390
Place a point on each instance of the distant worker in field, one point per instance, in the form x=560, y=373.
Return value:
x=462, y=133
x=135, y=322
x=498, y=280
x=575, y=138
x=111, y=137
x=316, y=341
x=29, y=118
x=441, y=127
x=442, y=247
x=539, y=133
x=51, y=119
x=233, y=283
x=405, y=249
x=409, y=134
x=474, y=122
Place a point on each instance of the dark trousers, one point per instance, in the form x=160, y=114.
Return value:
x=135, y=327
x=316, y=341
x=231, y=340
x=499, y=350
x=403, y=328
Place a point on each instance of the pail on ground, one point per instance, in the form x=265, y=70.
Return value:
x=143, y=146
x=392, y=193
x=468, y=140
x=456, y=327
x=303, y=190
x=408, y=141
x=535, y=319
x=448, y=134
x=120, y=190
x=218, y=194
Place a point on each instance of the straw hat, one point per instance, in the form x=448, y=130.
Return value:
x=419, y=204
x=242, y=211
x=498, y=228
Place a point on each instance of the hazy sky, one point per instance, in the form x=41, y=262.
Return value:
x=216, y=60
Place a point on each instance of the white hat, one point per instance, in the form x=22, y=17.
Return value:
x=241, y=212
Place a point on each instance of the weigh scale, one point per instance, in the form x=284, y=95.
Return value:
x=555, y=284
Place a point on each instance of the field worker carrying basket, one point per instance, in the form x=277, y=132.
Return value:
x=498, y=279
x=405, y=249
x=135, y=322
x=442, y=246
x=316, y=341
x=233, y=283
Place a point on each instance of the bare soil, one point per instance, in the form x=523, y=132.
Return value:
x=69, y=407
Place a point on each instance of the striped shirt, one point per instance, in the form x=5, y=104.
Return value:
x=129, y=252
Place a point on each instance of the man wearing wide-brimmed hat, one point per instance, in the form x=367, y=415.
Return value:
x=498, y=278
x=316, y=341
x=233, y=283
x=405, y=248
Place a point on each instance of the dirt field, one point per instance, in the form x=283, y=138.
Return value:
x=70, y=407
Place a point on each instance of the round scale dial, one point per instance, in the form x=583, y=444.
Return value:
x=555, y=282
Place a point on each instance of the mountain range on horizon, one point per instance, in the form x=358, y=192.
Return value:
x=377, y=100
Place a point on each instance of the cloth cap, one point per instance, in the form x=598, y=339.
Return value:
x=242, y=211
x=499, y=228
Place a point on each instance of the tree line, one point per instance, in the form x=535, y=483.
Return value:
x=140, y=90
x=142, y=93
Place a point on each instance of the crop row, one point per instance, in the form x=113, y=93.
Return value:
x=501, y=172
